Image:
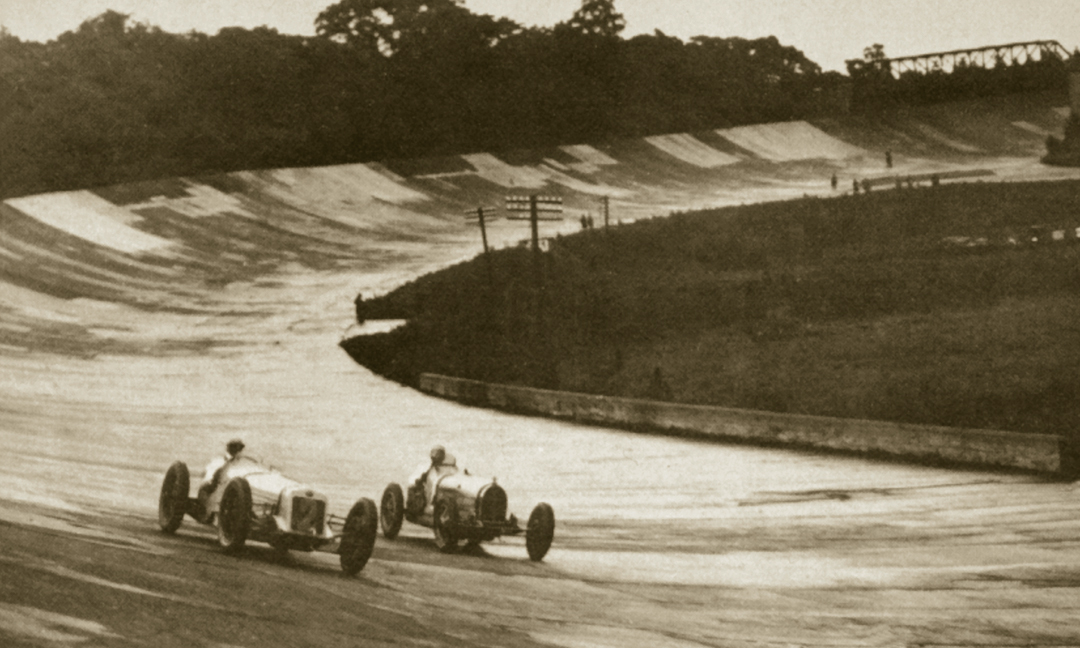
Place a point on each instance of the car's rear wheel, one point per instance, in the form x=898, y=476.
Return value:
x=392, y=511
x=234, y=515
x=540, y=531
x=358, y=537
x=443, y=525
x=172, y=504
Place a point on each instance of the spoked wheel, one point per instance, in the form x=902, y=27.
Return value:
x=392, y=511
x=172, y=504
x=358, y=538
x=234, y=515
x=445, y=519
x=540, y=531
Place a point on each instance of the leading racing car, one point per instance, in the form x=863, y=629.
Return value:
x=460, y=507
x=247, y=500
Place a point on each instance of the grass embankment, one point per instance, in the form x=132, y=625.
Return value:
x=928, y=305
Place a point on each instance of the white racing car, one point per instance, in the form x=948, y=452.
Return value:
x=249, y=501
x=462, y=508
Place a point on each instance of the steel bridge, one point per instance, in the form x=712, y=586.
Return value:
x=983, y=57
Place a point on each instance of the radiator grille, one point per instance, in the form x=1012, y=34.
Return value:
x=308, y=515
x=492, y=502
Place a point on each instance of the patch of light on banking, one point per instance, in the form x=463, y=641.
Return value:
x=24, y=491
x=793, y=570
x=579, y=635
x=30, y=304
x=589, y=155
x=494, y=170
x=353, y=195
x=580, y=186
x=91, y=218
x=789, y=141
x=942, y=138
x=1032, y=128
x=691, y=150
x=41, y=625
x=201, y=201
x=346, y=183
x=555, y=164
x=374, y=182
x=382, y=170
x=10, y=254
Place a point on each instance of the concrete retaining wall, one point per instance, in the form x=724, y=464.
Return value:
x=1042, y=453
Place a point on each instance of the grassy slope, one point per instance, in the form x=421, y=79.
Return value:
x=847, y=307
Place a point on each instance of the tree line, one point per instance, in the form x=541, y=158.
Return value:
x=116, y=101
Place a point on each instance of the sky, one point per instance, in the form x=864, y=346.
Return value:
x=827, y=31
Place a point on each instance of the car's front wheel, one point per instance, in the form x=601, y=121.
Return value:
x=172, y=503
x=540, y=531
x=443, y=526
x=234, y=515
x=358, y=537
x=392, y=511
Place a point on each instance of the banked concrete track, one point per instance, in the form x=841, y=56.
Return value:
x=150, y=322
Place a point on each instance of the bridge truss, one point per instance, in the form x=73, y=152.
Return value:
x=983, y=57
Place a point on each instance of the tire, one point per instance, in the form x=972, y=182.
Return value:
x=358, y=537
x=172, y=504
x=392, y=511
x=443, y=525
x=540, y=531
x=234, y=515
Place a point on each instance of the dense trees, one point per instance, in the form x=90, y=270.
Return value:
x=116, y=100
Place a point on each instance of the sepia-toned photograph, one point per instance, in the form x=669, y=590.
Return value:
x=539, y=324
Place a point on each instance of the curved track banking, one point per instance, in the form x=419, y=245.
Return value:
x=147, y=323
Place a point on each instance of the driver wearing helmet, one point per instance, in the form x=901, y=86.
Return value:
x=427, y=476
x=215, y=469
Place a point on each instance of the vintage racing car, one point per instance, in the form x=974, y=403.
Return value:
x=460, y=507
x=250, y=501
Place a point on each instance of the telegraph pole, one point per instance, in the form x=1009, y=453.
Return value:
x=477, y=215
x=534, y=223
x=534, y=205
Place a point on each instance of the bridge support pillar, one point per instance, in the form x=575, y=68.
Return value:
x=1074, y=88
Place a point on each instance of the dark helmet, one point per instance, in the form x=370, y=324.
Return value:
x=234, y=447
x=438, y=453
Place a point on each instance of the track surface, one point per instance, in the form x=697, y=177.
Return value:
x=144, y=324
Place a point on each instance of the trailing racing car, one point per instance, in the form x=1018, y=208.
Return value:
x=247, y=500
x=461, y=508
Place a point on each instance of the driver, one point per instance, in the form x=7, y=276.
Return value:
x=423, y=485
x=216, y=467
